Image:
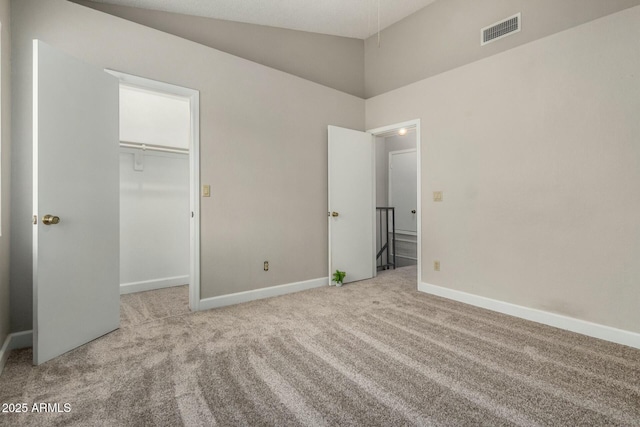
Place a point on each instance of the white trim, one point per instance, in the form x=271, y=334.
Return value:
x=148, y=285
x=14, y=341
x=406, y=257
x=34, y=197
x=410, y=124
x=23, y=339
x=194, y=180
x=329, y=259
x=256, y=294
x=374, y=210
x=4, y=352
x=407, y=233
x=155, y=85
x=386, y=129
x=405, y=240
x=194, y=171
x=607, y=333
x=408, y=150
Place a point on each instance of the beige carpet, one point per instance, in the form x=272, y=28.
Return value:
x=143, y=307
x=371, y=353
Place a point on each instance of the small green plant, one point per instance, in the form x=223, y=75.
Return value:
x=338, y=277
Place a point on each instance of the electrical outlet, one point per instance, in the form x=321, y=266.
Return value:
x=437, y=196
x=266, y=266
x=206, y=191
x=436, y=265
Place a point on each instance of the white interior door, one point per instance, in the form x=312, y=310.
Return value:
x=403, y=191
x=75, y=178
x=351, y=203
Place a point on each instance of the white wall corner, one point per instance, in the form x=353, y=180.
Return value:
x=256, y=294
x=14, y=341
x=595, y=330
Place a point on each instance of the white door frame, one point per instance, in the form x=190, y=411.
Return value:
x=394, y=127
x=194, y=171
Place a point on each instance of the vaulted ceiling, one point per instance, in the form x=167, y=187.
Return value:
x=347, y=18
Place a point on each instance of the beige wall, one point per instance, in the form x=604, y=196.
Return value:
x=336, y=62
x=438, y=38
x=5, y=158
x=536, y=150
x=446, y=35
x=263, y=146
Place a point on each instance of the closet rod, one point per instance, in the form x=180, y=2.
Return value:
x=152, y=147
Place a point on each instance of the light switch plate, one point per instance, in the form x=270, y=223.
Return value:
x=206, y=191
x=437, y=196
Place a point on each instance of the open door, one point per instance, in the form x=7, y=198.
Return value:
x=75, y=203
x=351, y=204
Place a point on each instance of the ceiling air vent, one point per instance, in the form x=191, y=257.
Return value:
x=501, y=29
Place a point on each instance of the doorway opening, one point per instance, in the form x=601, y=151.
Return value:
x=397, y=196
x=159, y=193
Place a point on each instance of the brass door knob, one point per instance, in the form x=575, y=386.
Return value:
x=413, y=211
x=334, y=214
x=50, y=220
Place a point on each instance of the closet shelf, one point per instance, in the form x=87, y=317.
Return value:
x=152, y=147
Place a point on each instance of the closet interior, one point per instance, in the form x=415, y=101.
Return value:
x=154, y=189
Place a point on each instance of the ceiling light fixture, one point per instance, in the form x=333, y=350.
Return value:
x=402, y=131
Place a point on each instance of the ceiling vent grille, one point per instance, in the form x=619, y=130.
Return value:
x=504, y=28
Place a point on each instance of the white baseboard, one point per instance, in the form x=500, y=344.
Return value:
x=149, y=285
x=273, y=291
x=14, y=341
x=607, y=333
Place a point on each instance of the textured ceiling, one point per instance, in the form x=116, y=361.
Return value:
x=348, y=18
